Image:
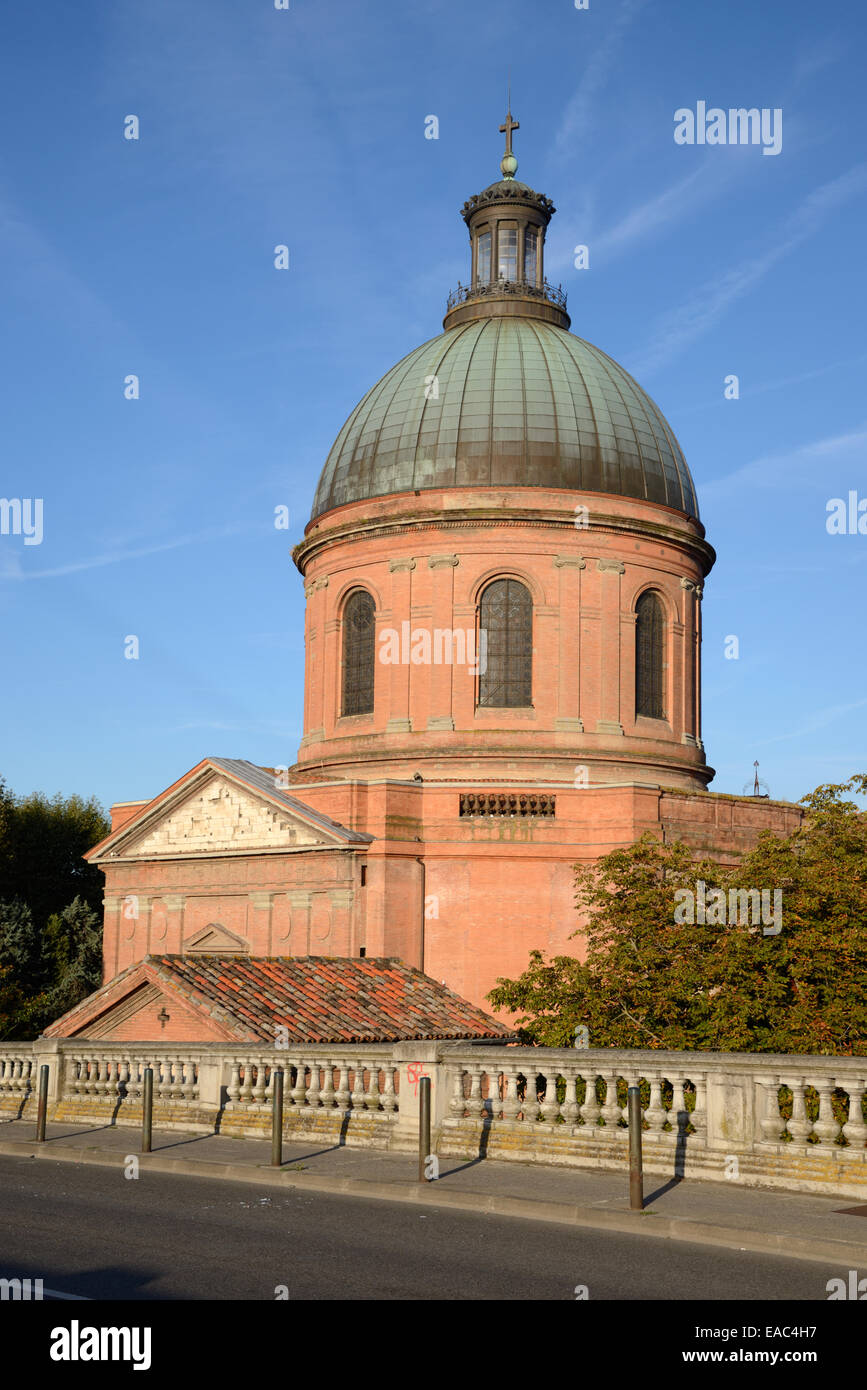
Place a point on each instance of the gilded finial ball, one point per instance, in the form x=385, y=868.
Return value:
x=508, y=164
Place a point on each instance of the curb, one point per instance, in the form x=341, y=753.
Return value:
x=527, y=1209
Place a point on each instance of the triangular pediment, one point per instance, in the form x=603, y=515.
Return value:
x=218, y=815
x=215, y=939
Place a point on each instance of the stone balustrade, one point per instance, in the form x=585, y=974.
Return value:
x=768, y=1120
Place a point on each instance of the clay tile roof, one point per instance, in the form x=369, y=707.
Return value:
x=325, y=999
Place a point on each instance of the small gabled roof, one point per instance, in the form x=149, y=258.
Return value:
x=316, y=998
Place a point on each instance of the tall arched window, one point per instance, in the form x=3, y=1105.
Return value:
x=506, y=616
x=359, y=653
x=649, y=656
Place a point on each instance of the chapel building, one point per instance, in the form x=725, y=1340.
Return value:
x=503, y=573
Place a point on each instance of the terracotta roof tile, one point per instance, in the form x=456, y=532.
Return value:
x=324, y=999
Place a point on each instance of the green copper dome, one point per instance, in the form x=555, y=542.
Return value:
x=506, y=402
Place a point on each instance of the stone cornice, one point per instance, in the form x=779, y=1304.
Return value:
x=498, y=517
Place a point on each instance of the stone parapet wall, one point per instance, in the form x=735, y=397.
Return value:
x=764, y=1120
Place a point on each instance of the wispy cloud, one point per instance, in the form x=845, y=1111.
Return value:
x=680, y=327
x=819, y=720
x=13, y=569
x=680, y=199
x=781, y=384
x=792, y=468
x=578, y=116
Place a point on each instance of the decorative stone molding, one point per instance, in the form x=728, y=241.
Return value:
x=572, y=562
x=341, y=897
x=569, y=726
x=435, y=562
x=688, y=585
x=397, y=565
x=174, y=902
x=441, y=721
x=399, y=726
x=299, y=897
x=260, y=900
x=610, y=566
x=608, y=726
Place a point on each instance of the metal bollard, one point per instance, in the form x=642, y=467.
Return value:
x=42, y=1107
x=147, y=1113
x=276, y=1118
x=636, y=1174
x=423, y=1127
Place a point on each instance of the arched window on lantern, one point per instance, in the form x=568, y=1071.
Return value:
x=506, y=645
x=359, y=653
x=650, y=656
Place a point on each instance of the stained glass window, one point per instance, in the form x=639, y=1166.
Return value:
x=506, y=617
x=359, y=653
x=649, y=656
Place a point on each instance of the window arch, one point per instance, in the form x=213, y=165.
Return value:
x=649, y=656
x=506, y=616
x=359, y=653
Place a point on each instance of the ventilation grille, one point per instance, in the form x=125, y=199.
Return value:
x=507, y=804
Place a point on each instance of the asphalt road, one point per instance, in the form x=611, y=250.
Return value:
x=91, y=1232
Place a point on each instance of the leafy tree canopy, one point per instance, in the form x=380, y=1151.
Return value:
x=652, y=979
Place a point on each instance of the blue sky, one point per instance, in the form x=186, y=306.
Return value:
x=306, y=127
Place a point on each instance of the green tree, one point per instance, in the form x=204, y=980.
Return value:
x=22, y=947
x=650, y=980
x=42, y=844
x=74, y=940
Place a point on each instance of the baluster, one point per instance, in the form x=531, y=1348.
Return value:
x=656, y=1113
x=259, y=1090
x=569, y=1108
x=371, y=1095
x=313, y=1088
x=799, y=1125
x=530, y=1103
x=855, y=1130
x=678, y=1115
x=699, y=1114
x=111, y=1081
x=591, y=1109
x=550, y=1106
x=247, y=1083
x=389, y=1099
x=511, y=1104
x=474, y=1100
x=299, y=1089
x=357, y=1097
x=457, y=1104
x=342, y=1095
x=611, y=1110
x=491, y=1103
x=233, y=1090
x=826, y=1128
x=327, y=1093
x=771, y=1121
